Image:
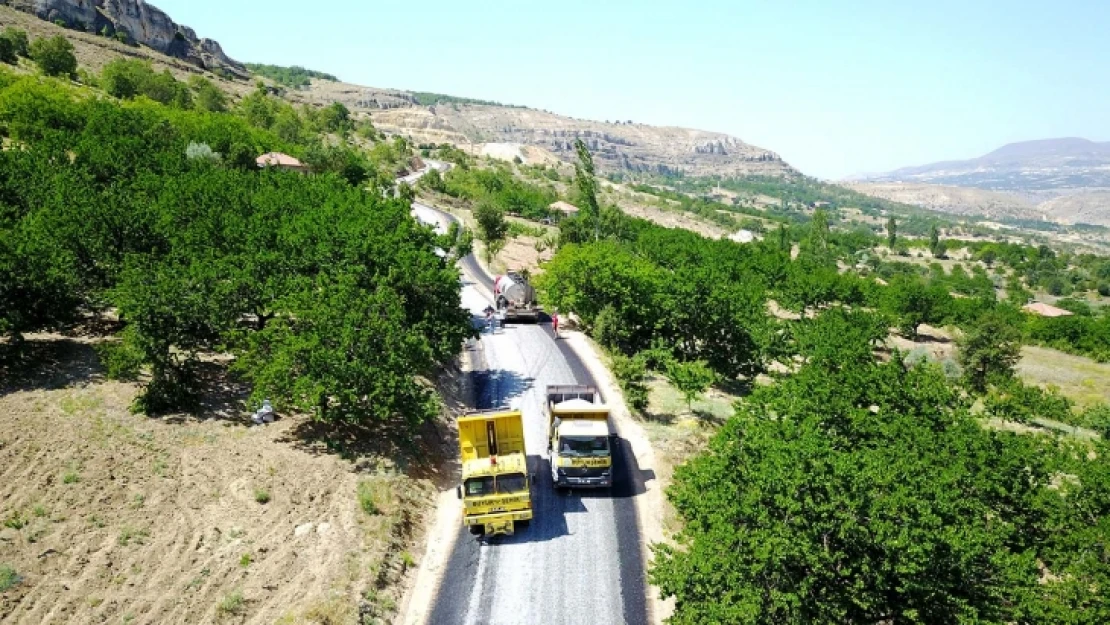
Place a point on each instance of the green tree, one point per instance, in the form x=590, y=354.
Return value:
x=433, y=181
x=818, y=240
x=54, y=56
x=891, y=233
x=18, y=39
x=335, y=118
x=989, y=349
x=690, y=378
x=207, y=96
x=914, y=302
x=807, y=496
x=936, y=246
x=7, y=51
x=586, y=185
x=492, y=228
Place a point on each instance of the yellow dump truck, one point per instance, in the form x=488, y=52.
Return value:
x=496, y=484
x=580, y=437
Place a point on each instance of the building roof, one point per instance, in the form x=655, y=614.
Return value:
x=1044, y=310
x=563, y=207
x=278, y=159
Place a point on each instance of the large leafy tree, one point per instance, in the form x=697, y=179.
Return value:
x=861, y=495
x=989, y=349
x=915, y=302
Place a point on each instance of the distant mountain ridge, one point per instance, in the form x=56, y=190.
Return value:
x=1027, y=166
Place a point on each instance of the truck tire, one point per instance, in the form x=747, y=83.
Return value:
x=477, y=530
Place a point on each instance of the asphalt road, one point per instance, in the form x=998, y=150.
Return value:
x=580, y=559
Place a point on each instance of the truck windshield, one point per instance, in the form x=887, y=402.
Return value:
x=584, y=446
x=479, y=486
x=511, y=483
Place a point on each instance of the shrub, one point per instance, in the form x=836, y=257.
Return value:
x=1016, y=401
x=201, y=151
x=21, y=46
x=54, y=56
x=262, y=496
x=231, y=604
x=373, y=494
x=123, y=359
x=7, y=51
x=15, y=520
x=690, y=378
x=71, y=477
x=9, y=578
x=631, y=374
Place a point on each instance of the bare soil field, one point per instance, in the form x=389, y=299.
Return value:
x=115, y=517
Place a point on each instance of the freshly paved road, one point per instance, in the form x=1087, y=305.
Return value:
x=580, y=559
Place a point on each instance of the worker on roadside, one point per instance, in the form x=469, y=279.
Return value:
x=555, y=323
x=489, y=318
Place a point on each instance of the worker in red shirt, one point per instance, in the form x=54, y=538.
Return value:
x=555, y=323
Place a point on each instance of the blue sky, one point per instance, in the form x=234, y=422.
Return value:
x=836, y=88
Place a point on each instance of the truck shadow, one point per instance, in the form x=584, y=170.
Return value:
x=630, y=478
x=549, y=509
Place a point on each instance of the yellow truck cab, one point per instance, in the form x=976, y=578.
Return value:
x=496, y=484
x=580, y=437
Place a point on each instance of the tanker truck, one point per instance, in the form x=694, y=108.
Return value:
x=496, y=488
x=515, y=297
x=581, y=437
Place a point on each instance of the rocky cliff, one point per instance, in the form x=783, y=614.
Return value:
x=140, y=23
x=617, y=146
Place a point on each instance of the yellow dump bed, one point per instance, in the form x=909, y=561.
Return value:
x=575, y=401
x=488, y=434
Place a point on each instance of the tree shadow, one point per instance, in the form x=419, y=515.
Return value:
x=412, y=449
x=220, y=395
x=496, y=388
x=426, y=450
x=739, y=387
x=48, y=364
x=659, y=417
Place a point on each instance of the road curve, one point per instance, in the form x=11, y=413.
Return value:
x=581, y=558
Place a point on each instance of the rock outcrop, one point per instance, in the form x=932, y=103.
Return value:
x=140, y=23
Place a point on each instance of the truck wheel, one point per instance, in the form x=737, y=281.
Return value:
x=476, y=530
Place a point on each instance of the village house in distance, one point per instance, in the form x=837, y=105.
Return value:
x=281, y=161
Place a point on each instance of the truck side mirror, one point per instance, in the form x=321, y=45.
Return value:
x=458, y=491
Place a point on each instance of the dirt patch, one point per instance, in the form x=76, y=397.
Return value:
x=113, y=516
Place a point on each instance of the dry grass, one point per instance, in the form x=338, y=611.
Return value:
x=1080, y=379
x=677, y=432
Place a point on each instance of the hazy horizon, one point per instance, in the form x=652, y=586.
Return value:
x=859, y=88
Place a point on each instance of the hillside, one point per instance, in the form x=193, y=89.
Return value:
x=134, y=22
x=94, y=51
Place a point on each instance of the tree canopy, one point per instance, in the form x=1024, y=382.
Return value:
x=330, y=296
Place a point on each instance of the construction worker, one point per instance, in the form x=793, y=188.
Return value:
x=555, y=323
